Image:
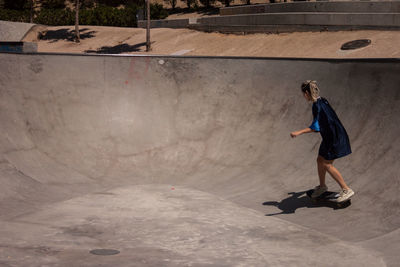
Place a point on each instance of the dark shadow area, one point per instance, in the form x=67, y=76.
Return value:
x=299, y=200
x=291, y=204
x=201, y=10
x=66, y=34
x=118, y=49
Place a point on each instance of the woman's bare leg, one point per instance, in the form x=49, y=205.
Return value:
x=328, y=166
x=321, y=171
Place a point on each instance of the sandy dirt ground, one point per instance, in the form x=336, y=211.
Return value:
x=111, y=40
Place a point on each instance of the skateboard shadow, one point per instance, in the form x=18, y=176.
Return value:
x=295, y=201
x=291, y=204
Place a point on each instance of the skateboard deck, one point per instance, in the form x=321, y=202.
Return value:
x=329, y=197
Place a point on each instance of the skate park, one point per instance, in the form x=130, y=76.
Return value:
x=188, y=161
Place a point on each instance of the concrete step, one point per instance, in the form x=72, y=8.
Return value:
x=164, y=23
x=325, y=6
x=248, y=29
x=389, y=20
x=285, y=22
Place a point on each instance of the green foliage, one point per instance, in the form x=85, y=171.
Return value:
x=189, y=3
x=157, y=11
x=116, y=3
x=226, y=2
x=100, y=15
x=55, y=17
x=53, y=4
x=87, y=3
x=171, y=2
x=108, y=16
x=207, y=3
x=15, y=15
x=16, y=4
x=113, y=3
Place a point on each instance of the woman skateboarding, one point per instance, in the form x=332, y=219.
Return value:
x=335, y=141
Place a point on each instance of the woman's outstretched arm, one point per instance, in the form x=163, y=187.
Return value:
x=300, y=132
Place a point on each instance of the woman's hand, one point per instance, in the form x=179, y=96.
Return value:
x=297, y=133
x=294, y=134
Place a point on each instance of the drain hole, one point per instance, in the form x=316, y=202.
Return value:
x=104, y=252
x=356, y=44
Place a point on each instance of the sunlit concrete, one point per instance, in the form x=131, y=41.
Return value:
x=187, y=161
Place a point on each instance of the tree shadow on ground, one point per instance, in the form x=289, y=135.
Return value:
x=66, y=34
x=299, y=200
x=118, y=49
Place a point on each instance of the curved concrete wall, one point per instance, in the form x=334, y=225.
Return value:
x=74, y=124
x=14, y=31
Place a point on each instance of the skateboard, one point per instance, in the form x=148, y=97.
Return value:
x=329, y=198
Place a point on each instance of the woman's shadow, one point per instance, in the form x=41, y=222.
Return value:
x=291, y=204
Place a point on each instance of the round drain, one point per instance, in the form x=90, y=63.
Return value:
x=104, y=252
x=356, y=44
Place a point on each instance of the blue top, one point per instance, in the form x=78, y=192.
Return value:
x=335, y=141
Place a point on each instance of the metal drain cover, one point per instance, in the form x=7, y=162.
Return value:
x=356, y=44
x=104, y=252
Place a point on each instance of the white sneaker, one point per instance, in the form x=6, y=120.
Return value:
x=345, y=195
x=319, y=190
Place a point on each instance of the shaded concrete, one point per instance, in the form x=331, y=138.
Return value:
x=318, y=18
x=323, y=6
x=285, y=22
x=18, y=47
x=294, y=16
x=170, y=23
x=284, y=28
x=178, y=161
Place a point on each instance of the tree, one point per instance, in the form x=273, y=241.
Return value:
x=226, y=2
x=15, y=4
x=148, y=43
x=87, y=3
x=171, y=2
x=188, y=3
x=207, y=3
x=113, y=3
x=53, y=4
x=32, y=9
x=77, y=36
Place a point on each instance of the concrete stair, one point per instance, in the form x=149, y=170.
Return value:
x=296, y=16
x=323, y=6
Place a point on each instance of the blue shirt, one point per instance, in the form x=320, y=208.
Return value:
x=335, y=141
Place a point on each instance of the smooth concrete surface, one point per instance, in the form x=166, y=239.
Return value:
x=171, y=23
x=249, y=29
x=317, y=18
x=286, y=22
x=14, y=31
x=187, y=161
x=323, y=6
